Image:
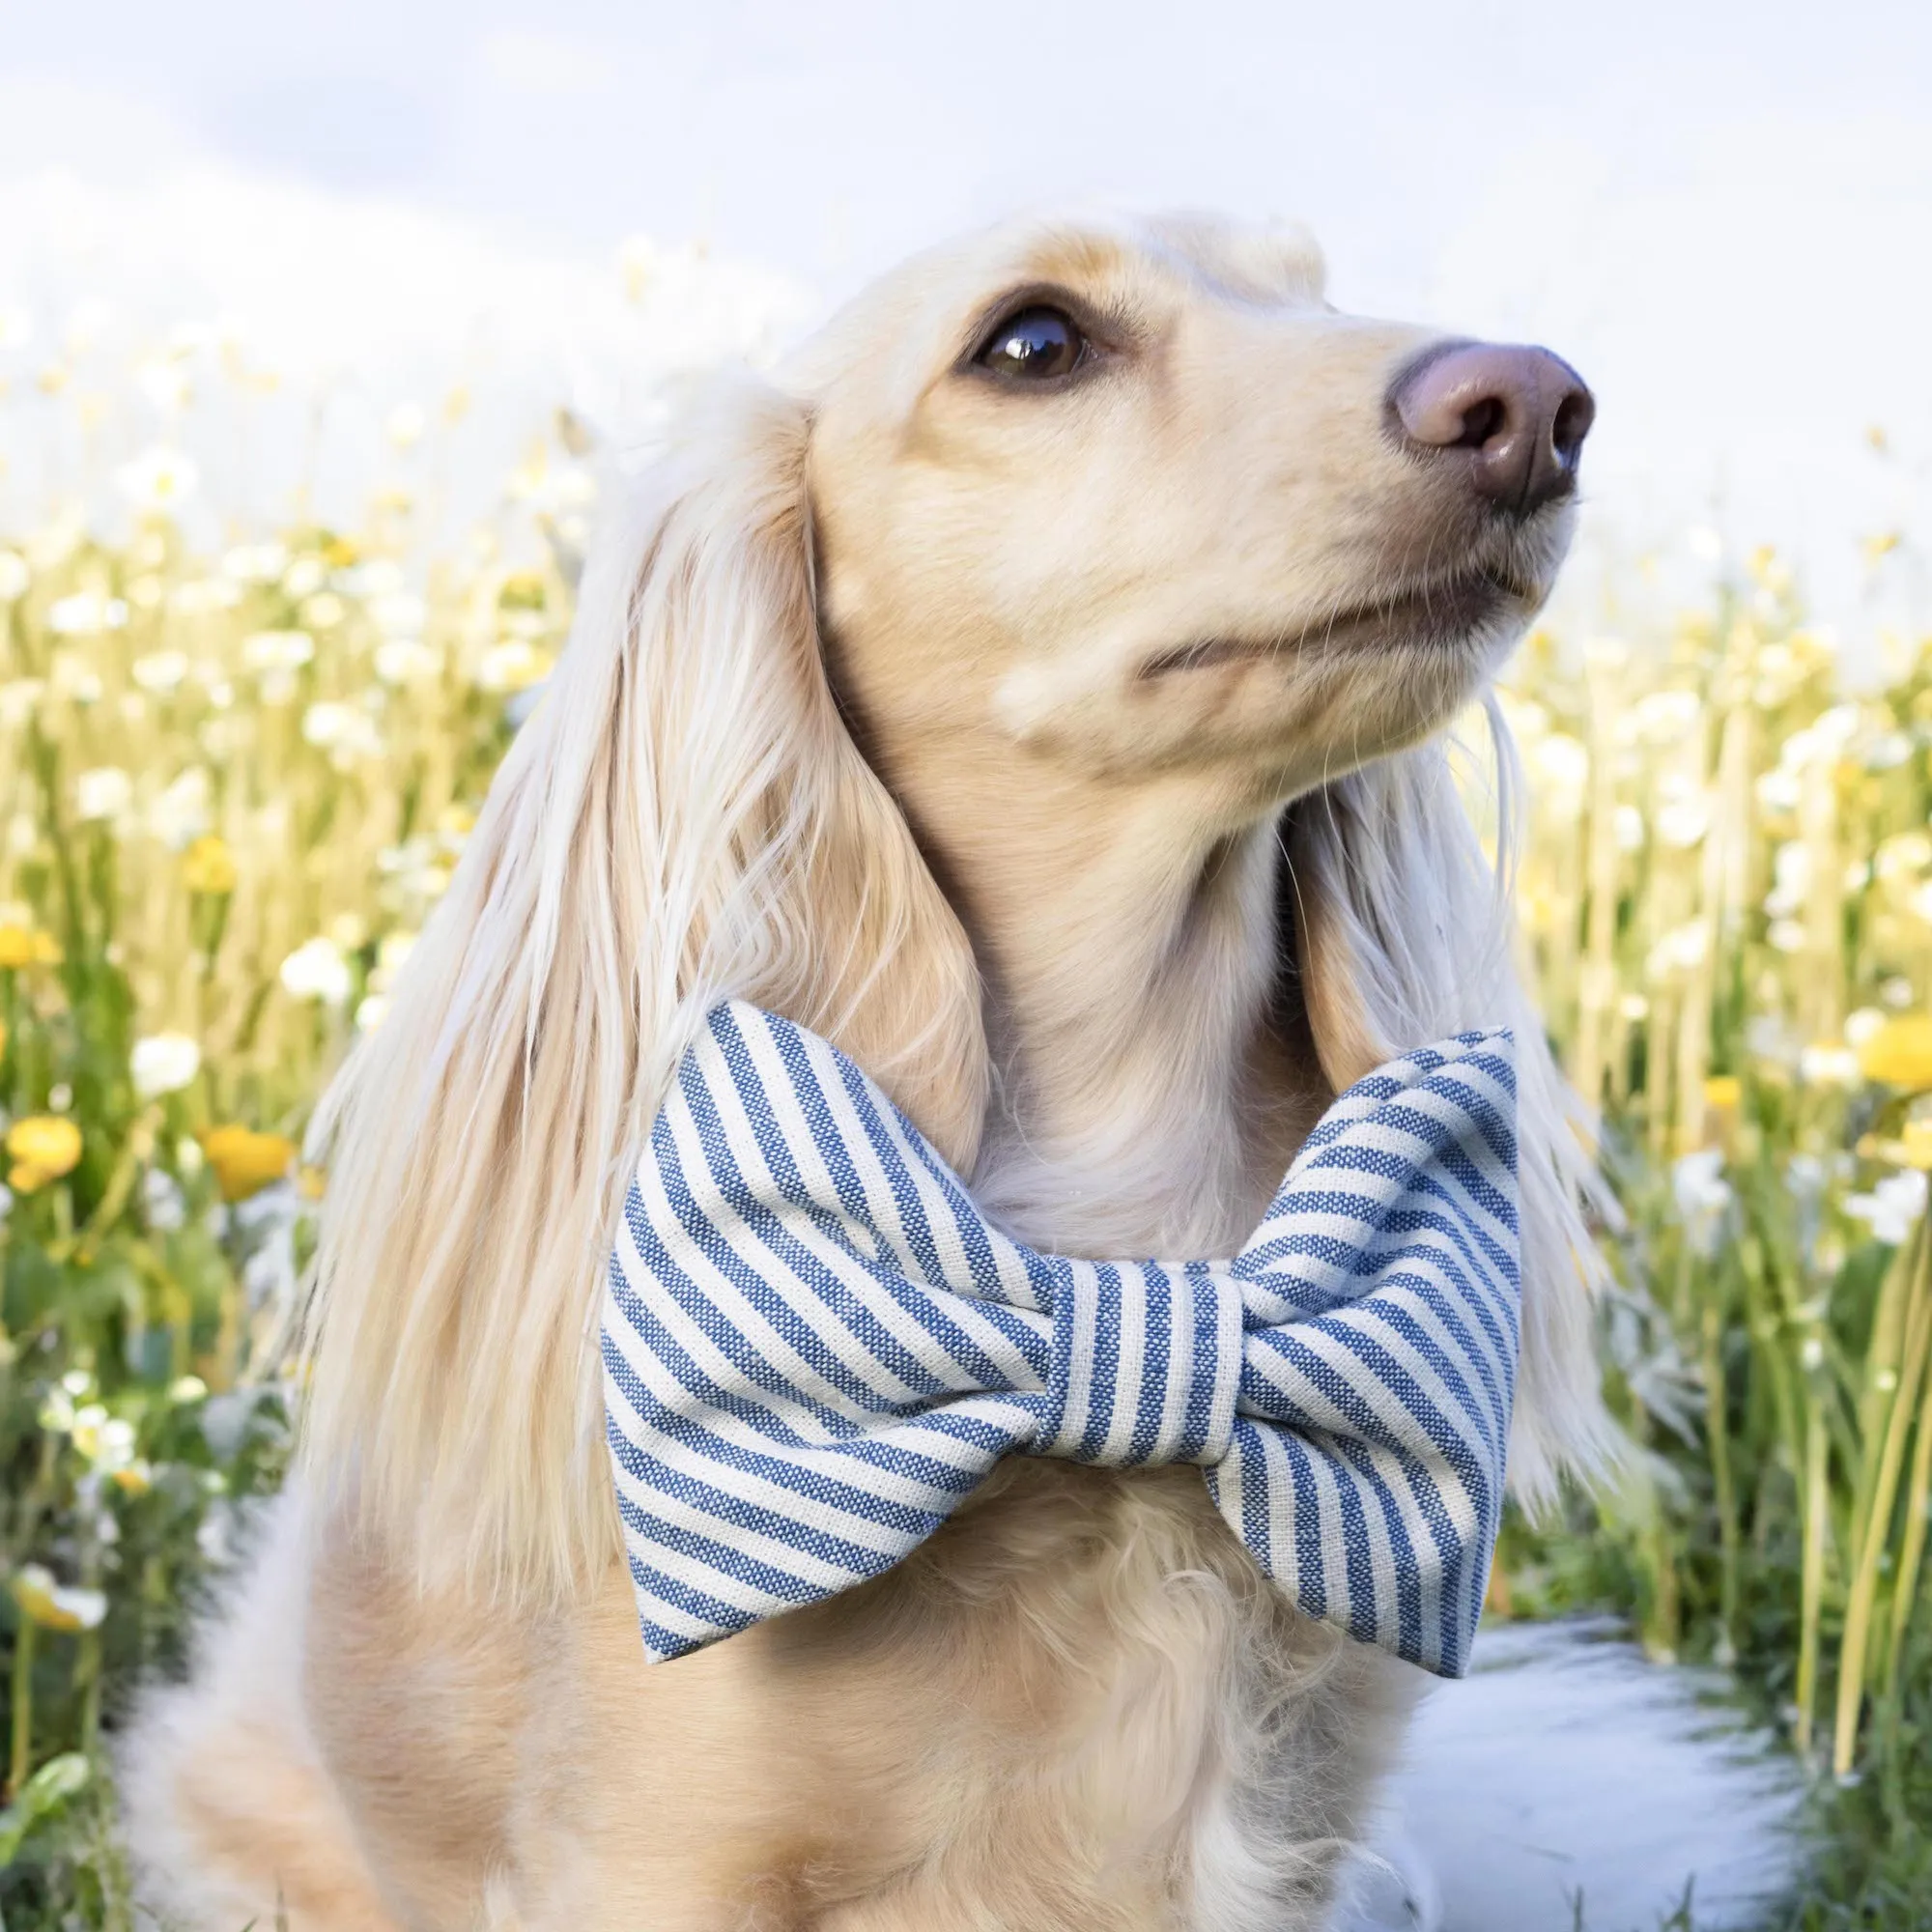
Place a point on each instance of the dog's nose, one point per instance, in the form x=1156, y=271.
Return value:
x=1515, y=418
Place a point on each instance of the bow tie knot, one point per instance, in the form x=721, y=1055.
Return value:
x=816, y=1347
x=1146, y=1364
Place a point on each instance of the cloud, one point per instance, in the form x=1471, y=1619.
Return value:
x=525, y=60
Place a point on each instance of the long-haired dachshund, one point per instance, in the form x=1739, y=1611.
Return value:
x=1039, y=691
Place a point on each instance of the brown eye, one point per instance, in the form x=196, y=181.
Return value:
x=1033, y=345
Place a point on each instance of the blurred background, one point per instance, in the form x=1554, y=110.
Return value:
x=1721, y=217
x=318, y=330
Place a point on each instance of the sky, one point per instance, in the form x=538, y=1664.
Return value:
x=1722, y=215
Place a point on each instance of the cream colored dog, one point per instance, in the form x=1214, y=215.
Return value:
x=1035, y=693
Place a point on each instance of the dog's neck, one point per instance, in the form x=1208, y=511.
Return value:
x=1148, y=1092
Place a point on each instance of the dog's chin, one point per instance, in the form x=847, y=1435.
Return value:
x=1470, y=616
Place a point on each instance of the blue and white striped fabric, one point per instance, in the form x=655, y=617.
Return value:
x=814, y=1346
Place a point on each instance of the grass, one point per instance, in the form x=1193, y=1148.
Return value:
x=233, y=785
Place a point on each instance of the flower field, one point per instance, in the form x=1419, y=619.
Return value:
x=234, y=778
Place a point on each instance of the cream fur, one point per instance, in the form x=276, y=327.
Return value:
x=872, y=714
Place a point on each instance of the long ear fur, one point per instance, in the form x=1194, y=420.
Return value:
x=1406, y=934
x=684, y=819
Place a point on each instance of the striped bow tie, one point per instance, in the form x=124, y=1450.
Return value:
x=815, y=1345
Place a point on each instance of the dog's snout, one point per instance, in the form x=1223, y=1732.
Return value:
x=1514, y=418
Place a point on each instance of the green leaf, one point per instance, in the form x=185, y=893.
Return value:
x=43, y=1795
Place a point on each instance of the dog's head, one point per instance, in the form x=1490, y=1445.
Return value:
x=1140, y=500
x=1068, y=528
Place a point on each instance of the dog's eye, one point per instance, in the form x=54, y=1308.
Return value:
x=1034, y=344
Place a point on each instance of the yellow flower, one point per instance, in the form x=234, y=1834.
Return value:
x=339, y=553
x=245, y=1162
x=1915, y=1144
x=208, y=865
x=54, y=1606
x=1724, y=1090
x=1901, y=1052
x=43, y=1146
x=23, y=946
x=311, y=1183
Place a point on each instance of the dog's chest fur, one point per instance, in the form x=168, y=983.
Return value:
x=1186, y=1725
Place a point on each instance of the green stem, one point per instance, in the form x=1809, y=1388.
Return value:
x=1717, y=1429
x=1911, y=1555
x=1874, y=1533
x=1817, y=1503
x=1880, y=1393
x=87, y=1669
x=21, y=1759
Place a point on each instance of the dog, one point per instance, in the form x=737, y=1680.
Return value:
x=1042, y=689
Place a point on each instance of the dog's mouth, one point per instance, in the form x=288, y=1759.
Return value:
x=1444, y=612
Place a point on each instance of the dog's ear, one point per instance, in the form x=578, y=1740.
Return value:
x=684, y=819
x=1405, y=935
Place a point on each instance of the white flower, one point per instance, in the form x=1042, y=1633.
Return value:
x=14, y=576
x=1890, y=1209
x=304, y=576
x=1703, y=1198
x=345, y=730
x=277, y=650
x=166, y=385
x=406, y=423
x=85, y=613
x=255, y=563
x=1837, y=727
x=514, y=665
x=1664, y=717
x=1682, y=950
x=407, y=660
x=16, y=328
x=157, y=480
x=105, y=792
x=57, y=1605
x=1683, y=821
x=316, y=969
x=1860, y=1026
x=179, y=814
x=163, y=1063
x=5, y=1199
x=1827, y=1065
x=1786, y=935
x=399, y=614
x=160, y=670
x=1628, y=829
x=1561, y=763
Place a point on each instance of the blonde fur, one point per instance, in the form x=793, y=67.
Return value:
x=685, y=818
x=1036, y=750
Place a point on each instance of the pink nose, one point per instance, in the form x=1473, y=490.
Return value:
x=1514, y=418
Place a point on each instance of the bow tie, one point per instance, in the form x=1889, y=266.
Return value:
x=815, y=1345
